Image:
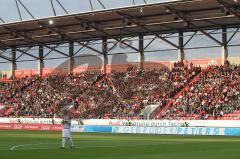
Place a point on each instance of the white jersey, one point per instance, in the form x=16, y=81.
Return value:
x=66, y=133
x=66, y=122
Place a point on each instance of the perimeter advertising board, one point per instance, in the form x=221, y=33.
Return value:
x=117, y=122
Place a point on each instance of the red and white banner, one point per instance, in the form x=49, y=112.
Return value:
x=42, y=127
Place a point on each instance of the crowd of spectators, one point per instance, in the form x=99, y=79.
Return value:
x=215, y=93
x=95, y=95
x=14, y=87
x=138, y=88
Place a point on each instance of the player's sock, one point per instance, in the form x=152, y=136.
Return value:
x=63, y=142
x=71, y=142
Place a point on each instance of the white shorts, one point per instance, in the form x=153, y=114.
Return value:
x=66, y=133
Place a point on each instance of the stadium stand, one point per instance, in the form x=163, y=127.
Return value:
x=185, y=92
x=95, y=95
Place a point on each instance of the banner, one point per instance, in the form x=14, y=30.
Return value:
x=31, y=120
x=168, y=130
x=43, y=127
x=216, y=131
x=163, y=123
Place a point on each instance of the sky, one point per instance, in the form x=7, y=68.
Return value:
x=42, y=9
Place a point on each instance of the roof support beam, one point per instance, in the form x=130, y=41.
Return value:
x=5, y=58
x=80, y=49
x=190, y=39
x=2, y=20
x=100, y=2
x=130, y=18
x=70, y=39
x=229, y=7
x=233, y=11
x=229, y=40
x=62, y=6
x=105, y=33
x=90, y=2
x=54, y=11
x=25, y=52
x=153, y=39
x=133, y=1
x=112, y=47
x=3, y=51
x=50, y=51
x=181, y=16
x=18, y=9
x=115, y=44
x=32, y=40
x=26, y=9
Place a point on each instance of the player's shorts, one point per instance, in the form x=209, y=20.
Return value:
x=66, y=133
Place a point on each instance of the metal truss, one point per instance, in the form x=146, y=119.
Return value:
x=53, y=8
x=5, y=57
x=230, y=39
x=181, y=15
x=134, y=3
x=233, y=10
x=19, y=3
x=185, y=44
x=50, y=51
x=2, y=20
x=153, y=39
x=69, y=38
x=25, y=52
x=82, y=47
x=94, y=26
x=99, y=28
x=22, y=51
x=60, y=4
x=99, y=1
x=115, y=44
x=130, y=18
x=32, y=40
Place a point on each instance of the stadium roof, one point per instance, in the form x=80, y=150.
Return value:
x=146, y=19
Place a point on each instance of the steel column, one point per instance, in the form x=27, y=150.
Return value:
x=104, y=53
x=40, y=61
x=13, y=65
x=181, y=54
x=70, y=58
x=141, y=56
x=224, y=49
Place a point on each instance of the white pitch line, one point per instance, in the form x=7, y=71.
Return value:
x=24, y=145
x=45, y=148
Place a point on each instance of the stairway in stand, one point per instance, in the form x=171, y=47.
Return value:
x=160, y=110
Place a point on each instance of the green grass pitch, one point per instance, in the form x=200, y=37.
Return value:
x=46, y=145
